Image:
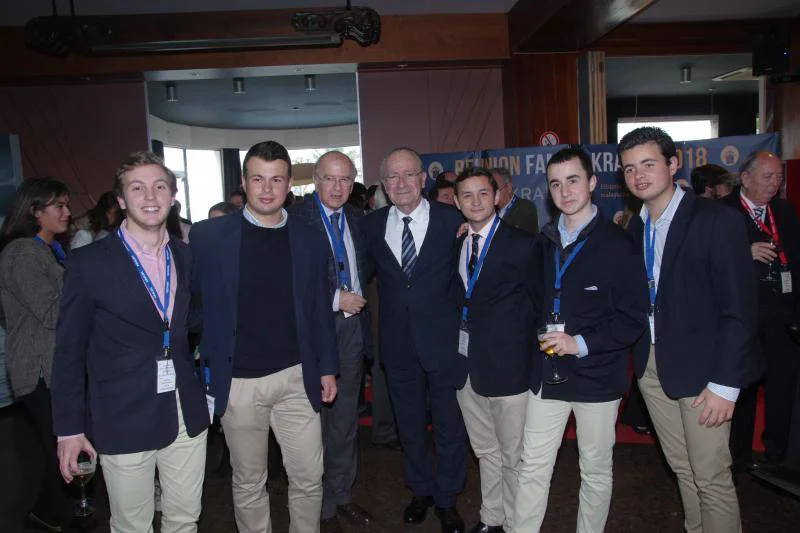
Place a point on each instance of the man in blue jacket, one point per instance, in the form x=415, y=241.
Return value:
x=595, y=311
x=269, y=337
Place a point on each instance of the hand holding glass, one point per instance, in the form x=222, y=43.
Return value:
x=555, y=376
x=86, y=468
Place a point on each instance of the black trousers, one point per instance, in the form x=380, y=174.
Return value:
x=21, y=467
x=780, y=356
x=53, y=504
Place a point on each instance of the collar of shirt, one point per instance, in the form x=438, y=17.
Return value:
x=752, y=205
x=568, y=237
x=669, y=213
x=420, y=214
x=484, y=232
x=248, y=216
x=329, y=211
x=137, y=246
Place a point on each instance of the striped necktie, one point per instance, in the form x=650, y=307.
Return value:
x=758, y=211
x=473, y=259
x=409, y=253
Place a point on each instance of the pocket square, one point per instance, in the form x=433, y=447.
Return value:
x=592, y=288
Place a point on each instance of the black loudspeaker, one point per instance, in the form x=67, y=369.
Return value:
x=771, y=53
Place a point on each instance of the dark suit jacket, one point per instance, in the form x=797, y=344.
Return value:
x=769, y=294
x=611, y=316
x=503, y=315
x=216, y=244
x=523, y=215
x=308, y=211
x=418, y=316
x=110, y=332
x=706, y=315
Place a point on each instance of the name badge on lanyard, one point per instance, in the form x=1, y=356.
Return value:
x=772, y=231
x=555, y=314
x=463, y=332
x=165, y=369
x=339, y=249
x=649, y=261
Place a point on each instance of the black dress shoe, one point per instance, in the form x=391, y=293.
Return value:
x=355, y=514
x=483, y=528
x=417, y=510
x=450, y=519
x=642, y=430
x=330, y=525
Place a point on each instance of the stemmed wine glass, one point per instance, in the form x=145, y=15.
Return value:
x=86, y=468
x=555, y=376
x=771, y=277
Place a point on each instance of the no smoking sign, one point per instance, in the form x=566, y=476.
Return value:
x=548, y=138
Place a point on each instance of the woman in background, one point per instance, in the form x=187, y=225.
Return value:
x=103, y=218
x=31, y=268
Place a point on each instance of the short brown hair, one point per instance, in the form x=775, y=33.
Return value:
x=142, y=159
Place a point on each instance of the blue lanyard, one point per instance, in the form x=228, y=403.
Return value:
x=650, y=258
x=560, y=274
x=510, y=205
x=57, y=249
x=163, y=307
x=477, y=272
x=339, y=249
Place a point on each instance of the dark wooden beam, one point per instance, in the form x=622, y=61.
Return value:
x=566, y=25
x=721, y=37
x=406, y=39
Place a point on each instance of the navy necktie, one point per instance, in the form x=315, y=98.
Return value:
x=473, y=259
x=342, y=269
x=759, y=213
x=409, y=253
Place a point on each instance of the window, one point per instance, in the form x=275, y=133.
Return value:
x=689, y=128
x=199, y=175
x=311, y=155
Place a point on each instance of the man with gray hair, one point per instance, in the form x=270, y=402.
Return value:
x=772, y=230
x=328, y=212
x=515, y=211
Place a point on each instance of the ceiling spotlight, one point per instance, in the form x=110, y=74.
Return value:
x=686, y=74
x=311, y=82
x=172, y=92
x=238, y=85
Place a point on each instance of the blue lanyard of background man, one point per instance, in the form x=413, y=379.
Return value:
x=339, y=250
x=650, y=259
x=560, y=274
x=477, y=272
x=56, y=248
x=151, y=288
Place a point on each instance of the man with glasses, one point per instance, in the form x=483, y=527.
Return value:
x=514, y=211
x=412, y=247
x=328, y=213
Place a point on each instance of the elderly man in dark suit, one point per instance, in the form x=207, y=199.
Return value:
x=773, y=231
x=698, y=353
x=514, y=211
x=412, y=246
x=329, y=213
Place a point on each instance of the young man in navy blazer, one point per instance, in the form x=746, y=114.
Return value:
x=123, y=326
x=698, y=353
x=497, y=273
x=596, y=310
x=269, y=337
x=412, y=245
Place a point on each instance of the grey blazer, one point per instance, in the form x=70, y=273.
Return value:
x=30, y=289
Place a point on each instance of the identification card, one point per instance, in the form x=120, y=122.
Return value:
x=463, y=342
x=165, y=376
x=651, y=319
x=210, y=405
x=786, y=282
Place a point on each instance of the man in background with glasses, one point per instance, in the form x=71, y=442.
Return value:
x=412, y=246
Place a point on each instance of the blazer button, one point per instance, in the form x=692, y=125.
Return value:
x=408, y=286
x=230, y=359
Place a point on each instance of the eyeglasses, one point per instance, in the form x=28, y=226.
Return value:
x=407, y=176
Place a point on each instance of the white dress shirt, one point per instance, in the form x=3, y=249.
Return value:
x=661, y=228
x=418, y=225
x=752, y=205
x=350, y=249
x=466, y=248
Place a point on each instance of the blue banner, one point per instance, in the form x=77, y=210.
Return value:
x=527, y=166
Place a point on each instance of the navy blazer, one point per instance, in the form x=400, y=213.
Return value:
x=110, y=332
x=308, y=210
x=504, y=312
x=706, y=305
x=215, y=283
x=602, y=300
x=418, y=316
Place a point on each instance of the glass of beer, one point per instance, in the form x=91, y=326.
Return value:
x=555, y=376
x=86, y=469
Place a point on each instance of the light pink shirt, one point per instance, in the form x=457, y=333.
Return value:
x=155, y=266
